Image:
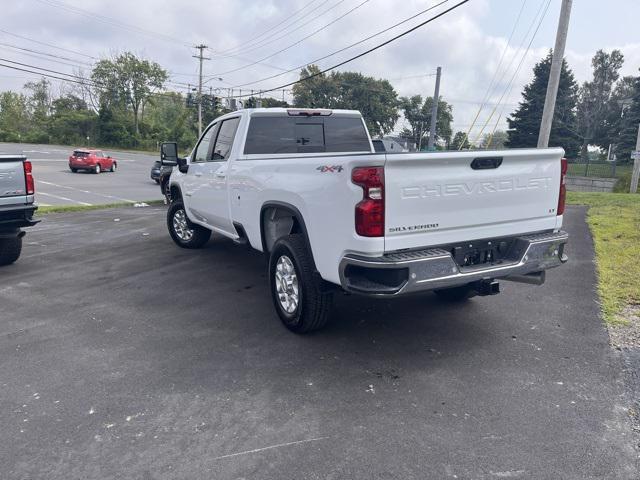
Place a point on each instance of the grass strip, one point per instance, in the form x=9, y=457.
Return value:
x=614, y=220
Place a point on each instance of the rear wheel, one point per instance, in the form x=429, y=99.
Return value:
x=184, y=233
x=456, y=294
x=114, y=167
x=97, y=168
x=296, y=288
x=10, y=249
x=73, y=170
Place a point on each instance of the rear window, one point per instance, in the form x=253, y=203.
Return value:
x=79, y=153
x=275, y=135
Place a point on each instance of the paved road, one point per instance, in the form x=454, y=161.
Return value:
x=124, y=356
x=56, y=185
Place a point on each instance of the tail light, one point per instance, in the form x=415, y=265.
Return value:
x=563, y=187
x=28, y=177
x=370, y=211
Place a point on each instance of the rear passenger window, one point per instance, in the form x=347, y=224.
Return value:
x=276, y=135
x=224, y=142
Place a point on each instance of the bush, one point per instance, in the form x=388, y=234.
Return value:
x=623, y=185
x=10, y=137
x=36, y=137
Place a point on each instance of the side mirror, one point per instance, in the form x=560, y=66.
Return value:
x=183, y=166
x=169, y=154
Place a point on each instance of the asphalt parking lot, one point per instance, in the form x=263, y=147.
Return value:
x=57, y=185
x=124, y=356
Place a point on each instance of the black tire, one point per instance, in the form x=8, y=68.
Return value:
x=10, y=249
x=97, y=168
x=157, y=181
x=456, y=294
x=166, y=191
x=114, y=167
x=199, y=235
x=314, y=304
x=73, y=170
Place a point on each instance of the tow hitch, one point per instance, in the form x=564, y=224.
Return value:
x=487, y=287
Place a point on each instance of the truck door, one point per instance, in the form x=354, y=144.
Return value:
x=206, y=183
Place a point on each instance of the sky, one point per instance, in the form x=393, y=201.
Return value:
x=486, y=48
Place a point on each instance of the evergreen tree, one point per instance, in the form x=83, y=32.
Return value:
x=460, y=142
x=524, y=123
x=626, y=142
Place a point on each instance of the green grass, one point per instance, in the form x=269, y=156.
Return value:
x=614, y=219
x=82, y=208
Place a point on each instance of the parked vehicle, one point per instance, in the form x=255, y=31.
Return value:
x=92, y=160
x=307, y=188
x=17, y=205
x=157, y=169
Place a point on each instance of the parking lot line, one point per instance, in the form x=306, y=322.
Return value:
x=64, y=198
x=256, y=450
x=87, y=191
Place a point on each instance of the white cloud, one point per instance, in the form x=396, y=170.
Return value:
x=467, y=43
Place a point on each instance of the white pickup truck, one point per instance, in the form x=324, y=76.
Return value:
x=307, y=188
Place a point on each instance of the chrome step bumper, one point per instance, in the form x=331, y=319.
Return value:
x=435, y=268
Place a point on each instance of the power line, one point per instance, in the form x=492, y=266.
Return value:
x=271, y=28
x=508, y=87
x=495, y=73
x=348, y=46
x=111, y=21
x=44, y=53
x=249, y=46
x=262, y=45
x=48, y=44
x=366, y=52
x=324, y=27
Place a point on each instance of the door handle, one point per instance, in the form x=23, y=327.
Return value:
x=198, y=174
x=221, y=174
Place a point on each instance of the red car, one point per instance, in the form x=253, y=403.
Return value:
x=93, y=160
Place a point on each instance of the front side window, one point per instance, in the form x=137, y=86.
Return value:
x=202, y=150
x=224, y=142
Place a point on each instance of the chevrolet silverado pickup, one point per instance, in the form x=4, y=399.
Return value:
x=17, y=205
x=307, y=188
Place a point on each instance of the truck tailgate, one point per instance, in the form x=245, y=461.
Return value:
x=12, y=181
x=439, y=198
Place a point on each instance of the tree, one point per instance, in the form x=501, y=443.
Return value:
x=594, y=97
x=14, y=119
x=267, y=102
x=628, y=126
x=418, y=114
x=460, y=142
x=71, y=120
x=495, y=140
x=524, y=123
x=375, y=99
x=128, y=80
x=38, y=108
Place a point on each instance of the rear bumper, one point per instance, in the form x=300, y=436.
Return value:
x=434, y=268
x=15, y=217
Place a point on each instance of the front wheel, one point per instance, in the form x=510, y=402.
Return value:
x=73, y=170
x=114, y=167
x=97, y=168
x=10, y=249
x=184, y=233
x=296, y=288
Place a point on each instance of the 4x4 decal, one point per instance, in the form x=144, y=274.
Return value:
x=330, y=168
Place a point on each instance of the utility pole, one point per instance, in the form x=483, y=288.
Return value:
x=434, y=111
x=200, y=57
x=554, y=75
x=635, y=176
